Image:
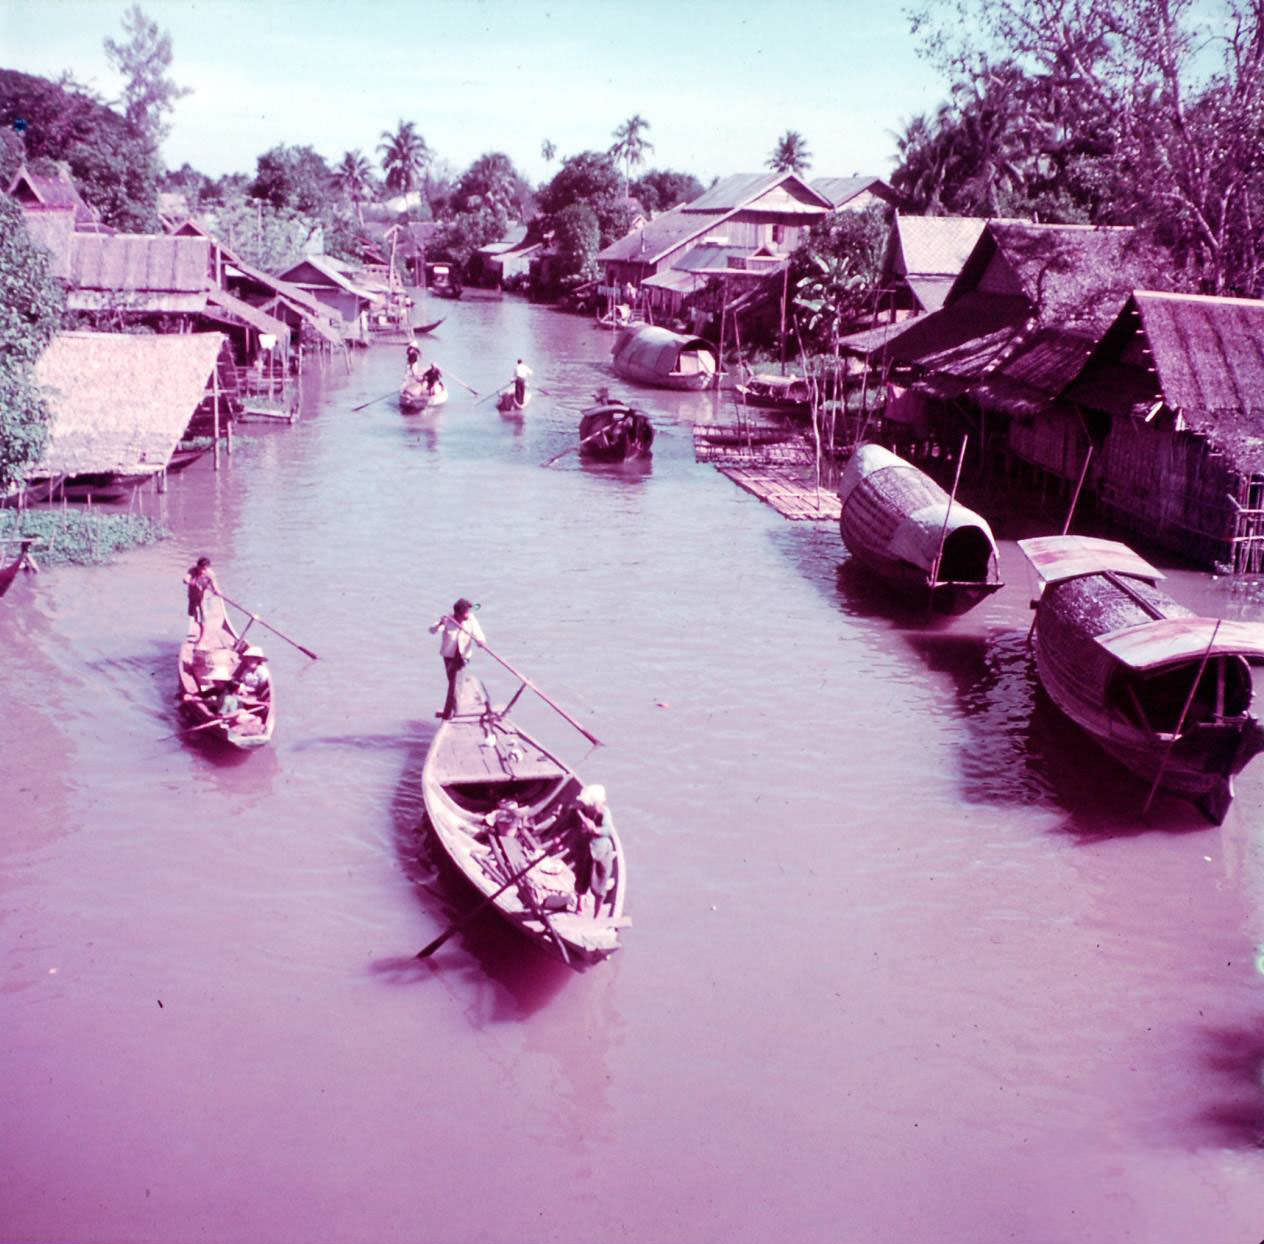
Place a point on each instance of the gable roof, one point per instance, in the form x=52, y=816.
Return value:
x=841, y=190
x=139, y=261
x=661, y=236
x=34, y=190
x=332, y=270
x=742, y=189
x=120, y=401
x=932, y=245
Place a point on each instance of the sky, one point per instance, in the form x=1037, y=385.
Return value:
x=718, y=82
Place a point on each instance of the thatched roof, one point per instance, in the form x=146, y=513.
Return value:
x=138, y=272
x=52, y=228
x=121, y=401
x=34, y=190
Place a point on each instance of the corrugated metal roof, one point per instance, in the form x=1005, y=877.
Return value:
x=155, y=263
x=661, y=236
x=332, y=270
x=1167, y=641
x=259, y=320
x=1055, y=558
x=731, y=192
x=674, y=280
x=120, y=401
x=840, y=190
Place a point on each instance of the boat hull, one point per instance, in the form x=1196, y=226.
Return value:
x=194, y=666
x=479, y=758
x=414, y=397
x=615, y=433
x=507, y=404
x=898, y=523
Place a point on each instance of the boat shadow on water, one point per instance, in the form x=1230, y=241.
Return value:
x=1232, y=1058
x=507, y=979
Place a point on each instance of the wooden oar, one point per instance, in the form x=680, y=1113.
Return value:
x=254, y=617
x=525, y=889
x=458, y=379
x=426, y=951
x=375, y=399
x=601, y=431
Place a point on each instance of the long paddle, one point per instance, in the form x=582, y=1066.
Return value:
x=254, y=617
x=375, y=399
x=426, y=951
x=528, y=893
x=458, y=379
x=494, y=393
x=592, y=436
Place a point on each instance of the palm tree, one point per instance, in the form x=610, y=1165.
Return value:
x=791, y=154
x=353, y=176
x=404, y=157
x=548, y=149
x=630, y=147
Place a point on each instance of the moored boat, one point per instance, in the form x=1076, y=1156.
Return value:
x=478, y=762
x=614, y=432
x=791, y=394
x=23, y=561
x=903, y=526
x=1166, y=693
x=663, y=359
x=416, y=396
x=205, y=672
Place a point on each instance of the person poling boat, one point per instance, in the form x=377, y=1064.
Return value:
x=458, y=635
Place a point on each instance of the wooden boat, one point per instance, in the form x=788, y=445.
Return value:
x=663, y=359
x=792, y=394
x=201, y=672
x=1164, y=692
x=415, y=396
x=23, y=561
x=507, y=404
x=478, y=759
x=422, y=329
x=900, y=524
x=613, y=432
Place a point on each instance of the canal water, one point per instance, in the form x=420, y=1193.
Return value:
x=908, y=964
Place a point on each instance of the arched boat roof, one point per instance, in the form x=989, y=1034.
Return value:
x=1168, y=641
x=1055, y=558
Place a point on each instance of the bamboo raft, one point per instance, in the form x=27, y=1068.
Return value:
x=749, y=444
x=792, y=497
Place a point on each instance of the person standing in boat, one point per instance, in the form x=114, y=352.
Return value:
x=521, y=373
x=458, y=635
x=432, y=376
x=595, y=823
x=200, y=579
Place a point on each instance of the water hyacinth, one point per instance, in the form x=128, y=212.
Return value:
x=79, y=537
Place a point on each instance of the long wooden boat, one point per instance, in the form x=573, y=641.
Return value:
x=791, y=394
x=663, y=359
x=415, y=396
x=479, y=759
x=614, y=432
x=1166, y=693
x=22, y=561
x=508, y=404
x=900, y=524
x=202, y=672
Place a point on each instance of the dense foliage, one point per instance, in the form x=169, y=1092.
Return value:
x=1146, y=112
x=31, y=301
x=296, y=179
x=662, y=189
x=835, y=275
x=111, y=162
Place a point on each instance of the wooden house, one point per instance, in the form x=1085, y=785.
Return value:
x=138, y=274
x=856, y=193
x=1172, y=399
x=924, y=255
x=39, y=193
x=332, y=283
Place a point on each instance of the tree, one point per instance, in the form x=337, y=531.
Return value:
x=836, y=272
x=143, y=60
x=548, y=150
x=112, y=163
x=577, y=236
x=492, y=182
x=791, y=154
x=354, y=177
x=661, y=189
x=31, y=301
x=630, y=147
x=296, y=178
x=589, y=178
x=404, y=158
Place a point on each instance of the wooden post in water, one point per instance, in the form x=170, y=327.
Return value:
x=215, y=412
x=952, y=496
x=1066, y=526
x=785, y=291
x=719, y=358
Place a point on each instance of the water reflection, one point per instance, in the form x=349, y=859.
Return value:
x=1235, y=1057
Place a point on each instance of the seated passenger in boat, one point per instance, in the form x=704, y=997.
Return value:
x=510, y=820
x=253, y=676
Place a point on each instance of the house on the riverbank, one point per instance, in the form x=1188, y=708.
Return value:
x=332, y=283
x=924, y=255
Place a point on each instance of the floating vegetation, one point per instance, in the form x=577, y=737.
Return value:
x=77, y=536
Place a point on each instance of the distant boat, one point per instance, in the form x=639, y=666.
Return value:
x=614, y=432
x=1166, y=693
x=900, y=524
x=792, y=394
x=477, y=760
x=416, y=396
x=201, y=671
x=422, y=329
x=663, y=359
x=508, y=404
x=22, y=561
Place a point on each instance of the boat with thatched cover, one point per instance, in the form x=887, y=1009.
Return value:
x=789, y=394
x=614, y=432
x=416, y=396
x=904, y=527
x=206, y=672
x=496, y=801
x=663, y=359
x=1166, y=693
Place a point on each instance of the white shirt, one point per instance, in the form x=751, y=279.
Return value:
x=522, y=371
x=457, y=638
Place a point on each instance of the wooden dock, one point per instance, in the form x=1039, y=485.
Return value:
x=788, y=494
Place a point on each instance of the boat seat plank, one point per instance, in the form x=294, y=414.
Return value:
x=463, y=758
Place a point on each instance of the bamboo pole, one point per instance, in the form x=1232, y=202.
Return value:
x=952, y=496
x=215, y=411
x=1088, y=457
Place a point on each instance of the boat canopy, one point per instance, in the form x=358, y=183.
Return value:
x=1167, y=641
x=1055, y=558
x=662, y=352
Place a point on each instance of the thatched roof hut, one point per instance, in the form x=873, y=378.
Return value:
x=121, y=401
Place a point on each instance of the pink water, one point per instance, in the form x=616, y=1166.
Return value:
x=907, y=964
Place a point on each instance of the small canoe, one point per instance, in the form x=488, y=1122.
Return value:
x=1164, y=692
x=422, y=329
x=613, y=432
x=478, y=759
x=507, y=404
x=22, y=561
x=896, y=521
x=415, y=396
x=663, y=359
x=791, y=394
x=200, y=673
